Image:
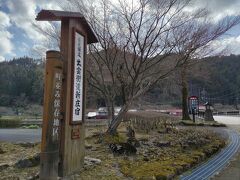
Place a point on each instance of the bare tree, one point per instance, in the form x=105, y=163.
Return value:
x=196, y=39
x=136, y=47
x=51, y=31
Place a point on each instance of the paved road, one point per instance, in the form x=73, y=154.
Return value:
x=231, y=120
x=218, y=162
x=20, y=135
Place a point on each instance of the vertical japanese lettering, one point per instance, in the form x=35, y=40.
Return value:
x=56, y=105
x=78, y=78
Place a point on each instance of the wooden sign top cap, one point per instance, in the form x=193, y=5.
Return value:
x=55, y=15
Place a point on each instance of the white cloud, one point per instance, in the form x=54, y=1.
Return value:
x=23, y=13
x=51, y=4
x=229, y=45
x=233, y=44
x=6, y=45
x=4, y=20
x=38, y=50
x=23, y=47
x=2, y=58
x=218, y=8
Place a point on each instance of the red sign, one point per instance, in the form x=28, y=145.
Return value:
x=193, y=97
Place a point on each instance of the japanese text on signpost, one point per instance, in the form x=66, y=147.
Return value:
x=78, y=78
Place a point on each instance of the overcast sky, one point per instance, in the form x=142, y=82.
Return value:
x=18, y=36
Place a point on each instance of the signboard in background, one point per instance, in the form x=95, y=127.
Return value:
x=193, y=104
x=77, y=94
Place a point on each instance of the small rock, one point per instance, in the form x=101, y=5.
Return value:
x=28, y=162
x=133, y=142
x=35, y=177
x=161, y=131
x=162, y=144
x=145, y=143
x=88, y=146
x=90, y=160
x=145, y=158
x=115, y=165
x=94, y=149
x=3, y=166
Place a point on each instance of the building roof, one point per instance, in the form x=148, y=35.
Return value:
x=54, y=15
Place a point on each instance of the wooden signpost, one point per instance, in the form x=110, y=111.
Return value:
x=75, y=35
x=51, y=116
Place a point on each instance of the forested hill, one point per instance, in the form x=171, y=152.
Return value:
x=220, y=82
x=21, y=82
x=212, y=79
x=215, y=78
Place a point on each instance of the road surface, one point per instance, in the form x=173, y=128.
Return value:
x=229, y=120
x=20, y=135
x=218, y=162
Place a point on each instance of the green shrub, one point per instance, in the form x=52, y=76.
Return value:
x=10, y=123
x=32, y=126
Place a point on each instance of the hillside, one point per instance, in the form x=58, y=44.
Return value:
x=214, y=79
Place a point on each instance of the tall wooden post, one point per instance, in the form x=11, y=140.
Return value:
x=72, y=144
x=51, y=116
x=75, y=35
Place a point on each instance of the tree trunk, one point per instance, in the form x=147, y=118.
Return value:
x=185, y=113
x=236, y=104
x=112, y=129
x=110, y=109
x=237, y=100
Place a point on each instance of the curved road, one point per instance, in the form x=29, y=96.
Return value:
x=218, y=162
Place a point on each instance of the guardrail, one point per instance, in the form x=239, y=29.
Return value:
x=27, y=122
x=227, y=113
